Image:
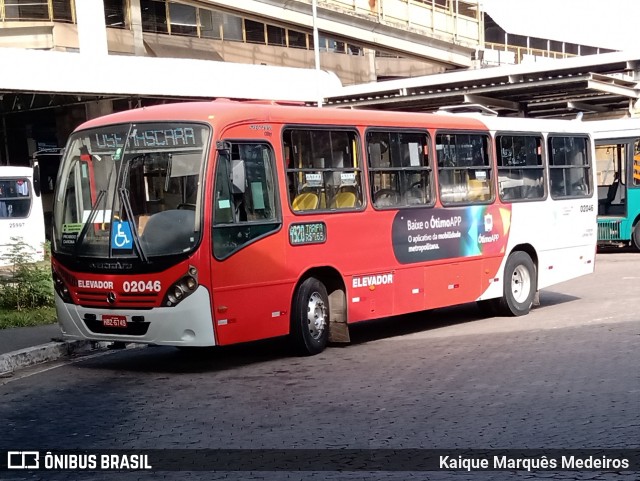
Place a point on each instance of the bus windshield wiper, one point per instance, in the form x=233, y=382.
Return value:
x=89, y=222
x=126, y=204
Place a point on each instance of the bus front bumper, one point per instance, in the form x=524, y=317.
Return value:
x=187, y=324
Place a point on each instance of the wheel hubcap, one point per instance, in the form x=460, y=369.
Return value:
x=520, y=284
x=316, y=315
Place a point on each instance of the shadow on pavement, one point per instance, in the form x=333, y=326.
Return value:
x=221, y=358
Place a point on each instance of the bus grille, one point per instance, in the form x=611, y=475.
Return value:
x=609, y=230
x=99, y=299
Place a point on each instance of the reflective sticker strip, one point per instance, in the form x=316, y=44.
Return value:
x=355, y=299
x=415, y=291
x=222, y=322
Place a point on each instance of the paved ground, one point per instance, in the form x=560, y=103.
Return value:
x=566, y=376
x=23, y=337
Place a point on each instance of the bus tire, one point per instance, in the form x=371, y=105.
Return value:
x=310, y=317
x=520, y=285
x=635, y=237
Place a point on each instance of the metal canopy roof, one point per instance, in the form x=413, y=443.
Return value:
x=64, y=78
x=595, y=84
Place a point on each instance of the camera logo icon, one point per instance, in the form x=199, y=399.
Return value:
x=23, y=460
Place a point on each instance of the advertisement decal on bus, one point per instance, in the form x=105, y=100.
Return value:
x=422, y=235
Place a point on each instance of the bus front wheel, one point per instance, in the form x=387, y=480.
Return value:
x=520, y=285
x=310, y=317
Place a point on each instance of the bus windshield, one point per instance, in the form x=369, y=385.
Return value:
x=131, y=190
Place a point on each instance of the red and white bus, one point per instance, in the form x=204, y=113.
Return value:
x=213, y=223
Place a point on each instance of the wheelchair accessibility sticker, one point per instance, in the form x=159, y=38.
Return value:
x=121, y=237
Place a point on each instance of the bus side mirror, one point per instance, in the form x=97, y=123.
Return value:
x=36, y=180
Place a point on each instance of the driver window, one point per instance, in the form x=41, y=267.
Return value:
x=245, y=202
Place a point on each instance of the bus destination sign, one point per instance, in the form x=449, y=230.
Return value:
x=307, y=233
x=152, y=137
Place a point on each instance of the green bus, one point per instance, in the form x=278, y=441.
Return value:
x=617, y=144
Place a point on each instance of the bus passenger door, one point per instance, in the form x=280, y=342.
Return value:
x=611, y=160
x=250, y=300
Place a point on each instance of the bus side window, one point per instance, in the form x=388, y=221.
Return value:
x=569, y=166
x=400, y=172
x=323, y=169
x=520, y=167
x=464, y=168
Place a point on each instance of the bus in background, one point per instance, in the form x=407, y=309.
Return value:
x=214, y=223
x=21, y=217
x=48, y=161
x=618, y=170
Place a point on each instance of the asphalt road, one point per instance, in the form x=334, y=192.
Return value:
x=563, y=377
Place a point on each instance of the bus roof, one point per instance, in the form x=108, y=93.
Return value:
x=615, y=128
x=527, y=124
x=11, y=171
x=230, y=111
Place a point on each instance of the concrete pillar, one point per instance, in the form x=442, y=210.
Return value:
x=92, y=30
x=370, y=55
x=98, y=109
x=136, y=27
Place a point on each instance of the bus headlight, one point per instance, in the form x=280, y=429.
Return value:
x=182, y=288
x=177, y=292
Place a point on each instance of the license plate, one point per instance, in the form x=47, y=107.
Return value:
x=110, y=320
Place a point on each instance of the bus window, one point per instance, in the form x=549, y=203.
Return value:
x=399, y=168
x=520, y=168
x=323, y=170
x=569, y=167
x=15, y=198
x=464, y=169
x=245, y=197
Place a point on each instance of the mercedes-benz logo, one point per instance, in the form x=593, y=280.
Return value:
x=111, y=297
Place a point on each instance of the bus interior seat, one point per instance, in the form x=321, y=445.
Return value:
x=386, y=198
x=605, y=203
x=168, y=232
x=142, y=223
x=478, y=190
x=345, y=198
x=305, y=201
x=416, y=195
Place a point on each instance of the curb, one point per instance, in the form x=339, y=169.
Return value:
x=51, y=351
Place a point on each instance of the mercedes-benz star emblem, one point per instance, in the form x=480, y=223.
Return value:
x=111, y=297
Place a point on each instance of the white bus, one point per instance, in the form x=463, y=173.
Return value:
x=21, y=216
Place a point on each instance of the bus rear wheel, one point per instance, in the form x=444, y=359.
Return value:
x=310, y=317
x=520, y=285
x=635, y=236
